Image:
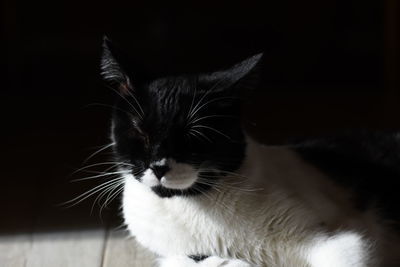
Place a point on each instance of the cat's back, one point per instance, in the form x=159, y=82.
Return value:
x=366, y=163
x=349, y=182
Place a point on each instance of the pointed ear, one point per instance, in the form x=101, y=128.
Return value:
x=111, y=68
x=244, y=73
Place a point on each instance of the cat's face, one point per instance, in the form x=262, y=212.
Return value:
x=177, y=135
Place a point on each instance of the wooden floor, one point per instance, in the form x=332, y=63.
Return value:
x=84, y=248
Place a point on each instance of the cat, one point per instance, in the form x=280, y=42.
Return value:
x=199, y=191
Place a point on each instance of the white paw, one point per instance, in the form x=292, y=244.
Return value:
x=345, y=249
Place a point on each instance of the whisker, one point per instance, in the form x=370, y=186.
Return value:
x=225, y=185
x=112, y=167
x=98, y=176
x=90, y=192
x=98, y=151
x=205, y=182
x=209, y=102
x=224, y=181
x=117, y=189
x=210, y=116
x=127, y=101
x=201, y=134
x=193, y=112
x=108, y=191
x=193, y=98
x=137, y=102
x=212, y=129
x=103, y=163
x=222, y=171
x=216, y=201
x=102, y=194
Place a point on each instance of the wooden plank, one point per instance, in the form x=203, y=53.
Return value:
x=13, y=249
x=124, y=251
x=67, y=249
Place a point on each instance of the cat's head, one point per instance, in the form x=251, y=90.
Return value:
x=178, y=134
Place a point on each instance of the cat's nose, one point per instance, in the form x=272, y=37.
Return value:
x=160, y=171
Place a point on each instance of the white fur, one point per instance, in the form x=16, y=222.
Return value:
x=343, y=249
x=149, y=178
x=272, y=217
x=160, y=162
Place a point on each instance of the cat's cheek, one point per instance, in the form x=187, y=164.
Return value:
x=183, y=183
x=181, y=176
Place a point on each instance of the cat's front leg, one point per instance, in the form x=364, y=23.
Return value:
x=213, y=261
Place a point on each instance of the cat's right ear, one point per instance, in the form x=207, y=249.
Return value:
x=111, y=68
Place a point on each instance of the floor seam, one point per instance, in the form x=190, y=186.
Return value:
x=103, y=252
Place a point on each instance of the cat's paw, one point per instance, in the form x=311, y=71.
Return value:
x=213, y=261
x=345, y=249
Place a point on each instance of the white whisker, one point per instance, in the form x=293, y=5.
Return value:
x=212, y=129
x=107, y=192
x=210, y=116
x=201, y=134
x=209, y=102
x=193, y=98
x=127, y=101
x=98, y=151
x=215, y=201
x=222, y=171
x=137, y=102
x=98, y=176
x=103, y=163
x=116, y=190
x=91, y=192
x=192, y=112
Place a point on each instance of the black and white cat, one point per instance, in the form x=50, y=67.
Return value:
x=200, y=192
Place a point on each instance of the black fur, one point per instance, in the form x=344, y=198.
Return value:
x=152, y=119
x=198, y=258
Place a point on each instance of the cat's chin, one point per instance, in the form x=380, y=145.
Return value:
x=194, y=190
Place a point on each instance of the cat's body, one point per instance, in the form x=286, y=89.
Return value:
x=197, y=185
x=284, y=214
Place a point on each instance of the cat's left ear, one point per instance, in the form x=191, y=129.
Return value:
x=242, y=74
x=112, y=69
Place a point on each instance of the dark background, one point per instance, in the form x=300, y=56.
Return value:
x=329, y=65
